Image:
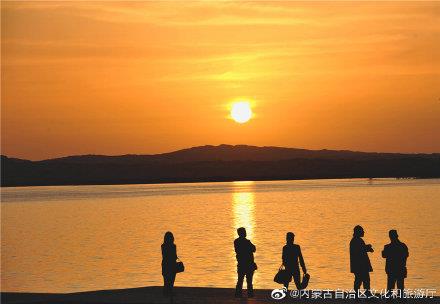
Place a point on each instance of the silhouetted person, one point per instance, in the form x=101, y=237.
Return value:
x=169, y=257
x=292, y=259
x=359, y=261
x=395, y=254
x=244, y=251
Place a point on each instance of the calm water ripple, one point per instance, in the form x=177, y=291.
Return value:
x=74, y=238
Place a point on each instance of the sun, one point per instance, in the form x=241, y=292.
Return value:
x=241, y=111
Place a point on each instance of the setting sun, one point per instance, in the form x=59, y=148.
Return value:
x=241, y=112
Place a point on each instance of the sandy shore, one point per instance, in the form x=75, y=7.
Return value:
x=183, y=295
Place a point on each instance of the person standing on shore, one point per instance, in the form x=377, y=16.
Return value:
x=360, y=264
x=169, y=257
x=244, y=251
x=396, y=254
x=292, y=259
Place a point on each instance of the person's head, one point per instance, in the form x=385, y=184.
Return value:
x=168, y=238
x=241, y=232
x=393, y=235
x=358, y=231
x=290, y=237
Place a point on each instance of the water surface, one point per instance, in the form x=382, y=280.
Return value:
x=75, y=238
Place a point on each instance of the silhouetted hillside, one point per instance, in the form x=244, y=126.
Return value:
x=217, y=163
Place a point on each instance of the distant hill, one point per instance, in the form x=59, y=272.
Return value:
x=216, y=163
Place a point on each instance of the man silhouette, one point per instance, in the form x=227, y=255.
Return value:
x=292, y=258
x=244, y=251
x=360, y=264
x=395, y=254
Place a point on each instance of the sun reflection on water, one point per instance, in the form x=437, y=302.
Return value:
x=243, y=202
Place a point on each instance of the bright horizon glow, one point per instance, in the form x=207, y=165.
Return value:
x=241, y=111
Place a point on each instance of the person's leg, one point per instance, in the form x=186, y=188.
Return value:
x=286, y=284
x=250, y=286
x=357, y=281
x=401, y=286
x=288, y=278
x=239, y=287
x=366, y=283
x=297, y=280
x=166, y=284
x=391, y=281
x=401, y=283
x=172, y=280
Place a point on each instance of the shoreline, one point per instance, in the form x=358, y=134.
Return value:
x=183, y=295
x=221, y=181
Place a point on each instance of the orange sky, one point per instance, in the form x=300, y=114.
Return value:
x=150, y=77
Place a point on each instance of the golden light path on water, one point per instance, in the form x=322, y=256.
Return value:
x=243, y=203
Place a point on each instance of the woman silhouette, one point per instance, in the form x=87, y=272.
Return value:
x=169, y=257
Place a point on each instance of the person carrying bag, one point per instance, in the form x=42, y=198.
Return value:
x=292, y=259
x=171, y=265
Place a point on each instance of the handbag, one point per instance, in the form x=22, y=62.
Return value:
x=179, y=266
x=254, y=266
x=305, y=281
x=282, y=276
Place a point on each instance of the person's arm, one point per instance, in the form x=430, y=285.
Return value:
x=406, y=251
x=367, y=248
x=174, y=252
x=301, y=260
x=235, y=246
x=384, y=252
x=253, y=248
x=168, y=252
x=284, y=256
x=352, y=248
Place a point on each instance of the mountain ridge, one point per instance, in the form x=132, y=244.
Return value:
x=210, y=148
x=217, y=163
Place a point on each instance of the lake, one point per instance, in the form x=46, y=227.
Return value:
x=77, y=238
